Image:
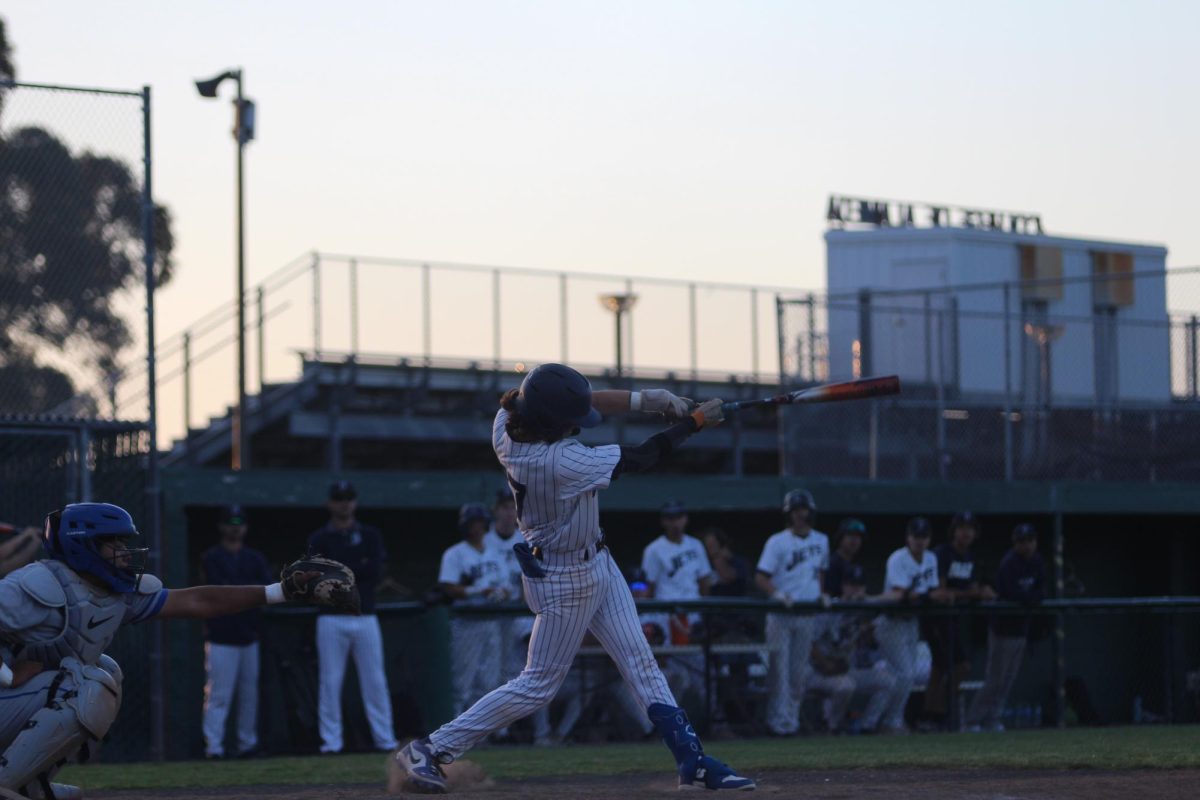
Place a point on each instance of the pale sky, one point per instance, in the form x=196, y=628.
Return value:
x=677, y=139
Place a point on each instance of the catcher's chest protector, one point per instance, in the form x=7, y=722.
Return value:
x=90, y=619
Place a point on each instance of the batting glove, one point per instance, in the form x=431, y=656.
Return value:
x=660, y=401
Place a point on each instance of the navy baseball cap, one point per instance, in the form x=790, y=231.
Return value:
x=673, y=508
x=504, y=495
x=233, y=515
x=919, y=527
x=964, y=519
x=1024, y=531
x=342, y=490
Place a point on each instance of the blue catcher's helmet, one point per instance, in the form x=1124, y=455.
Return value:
x=74, y=535
x=471, y=512
x=556, y=398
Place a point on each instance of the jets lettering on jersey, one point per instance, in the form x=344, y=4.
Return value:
x=477, y=571
x=679, y=561
x=801, y=554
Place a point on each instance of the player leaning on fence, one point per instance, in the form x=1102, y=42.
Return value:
x=792, y=570
x=57, y=617
x=911, y=579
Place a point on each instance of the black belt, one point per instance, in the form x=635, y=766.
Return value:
x=600, y=545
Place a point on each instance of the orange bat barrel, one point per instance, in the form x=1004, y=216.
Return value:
x=829, y=393
x=850, y=390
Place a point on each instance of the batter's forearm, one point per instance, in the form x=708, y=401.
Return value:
x=204, y=602
x=610, y=401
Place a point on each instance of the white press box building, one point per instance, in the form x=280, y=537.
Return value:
x=929, y=292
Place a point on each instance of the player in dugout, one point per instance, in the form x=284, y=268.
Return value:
x=59, y=692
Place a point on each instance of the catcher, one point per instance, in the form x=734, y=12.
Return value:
x=58, y=690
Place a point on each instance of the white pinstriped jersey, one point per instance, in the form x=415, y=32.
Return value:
x=795, y=563
x=555, y=487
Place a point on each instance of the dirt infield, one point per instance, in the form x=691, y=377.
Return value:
x=908, y=784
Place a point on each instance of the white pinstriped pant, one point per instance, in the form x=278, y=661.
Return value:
x=568, y=602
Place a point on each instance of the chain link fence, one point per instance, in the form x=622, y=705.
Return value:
x=391, y=310
x=1000, y=383
x=78, y=230
x=74, y=223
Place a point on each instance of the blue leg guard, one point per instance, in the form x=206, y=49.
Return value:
x=677, y=732
x=696, y=770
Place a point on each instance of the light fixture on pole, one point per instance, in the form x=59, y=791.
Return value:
x=619, y=305
x=243, y=132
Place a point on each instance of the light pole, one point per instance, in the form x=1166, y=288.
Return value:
x=243, y=131
x=619, y=305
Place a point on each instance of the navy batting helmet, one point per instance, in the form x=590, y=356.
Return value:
x=471, y=512
x=74, y=534
x=556, y=398
x=799, y=498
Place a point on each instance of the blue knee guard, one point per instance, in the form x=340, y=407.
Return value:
x=677, y=733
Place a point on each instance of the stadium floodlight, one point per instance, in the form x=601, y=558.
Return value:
x=243, y=131
x=619, y=305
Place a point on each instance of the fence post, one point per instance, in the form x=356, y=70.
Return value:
x=426, y=315
x=694, y=357
x=496, y=320
x=1008, y=442
x=1193, y=358
x=941, y=395
x=83, y=445
x=864, y=332
x=153, y=489
x=812, y=339
x=354, y=306
x=754, y=333
x=781, y=346
x=1060, y=691
x=873, y=442
x=187, y=385
x=261, y=343
x=628, y=321
x=928, y=339
x=562, y=315
x=316, y=305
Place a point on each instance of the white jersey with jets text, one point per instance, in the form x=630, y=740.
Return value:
x=555, y=487
x=795, y=563
x=466, y=566
x=903, y=572
x=676, y=568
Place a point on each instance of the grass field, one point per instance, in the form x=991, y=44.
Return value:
x=1080, y=749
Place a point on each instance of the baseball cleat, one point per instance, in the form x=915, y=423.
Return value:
x=422, y=767
x=708, y=773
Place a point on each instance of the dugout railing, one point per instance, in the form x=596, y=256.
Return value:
x=1093, y=661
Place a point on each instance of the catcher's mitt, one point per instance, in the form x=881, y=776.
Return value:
x=321, y=581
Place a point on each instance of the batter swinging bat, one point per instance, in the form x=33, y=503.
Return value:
x=829, y=393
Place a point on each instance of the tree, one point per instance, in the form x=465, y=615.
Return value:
x=70, y=244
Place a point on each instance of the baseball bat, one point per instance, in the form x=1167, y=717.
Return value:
x=829, y=393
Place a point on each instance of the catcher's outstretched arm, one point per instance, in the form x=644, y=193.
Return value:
x=203, y=602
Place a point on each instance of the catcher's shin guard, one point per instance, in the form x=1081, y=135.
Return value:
x=81, y=704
